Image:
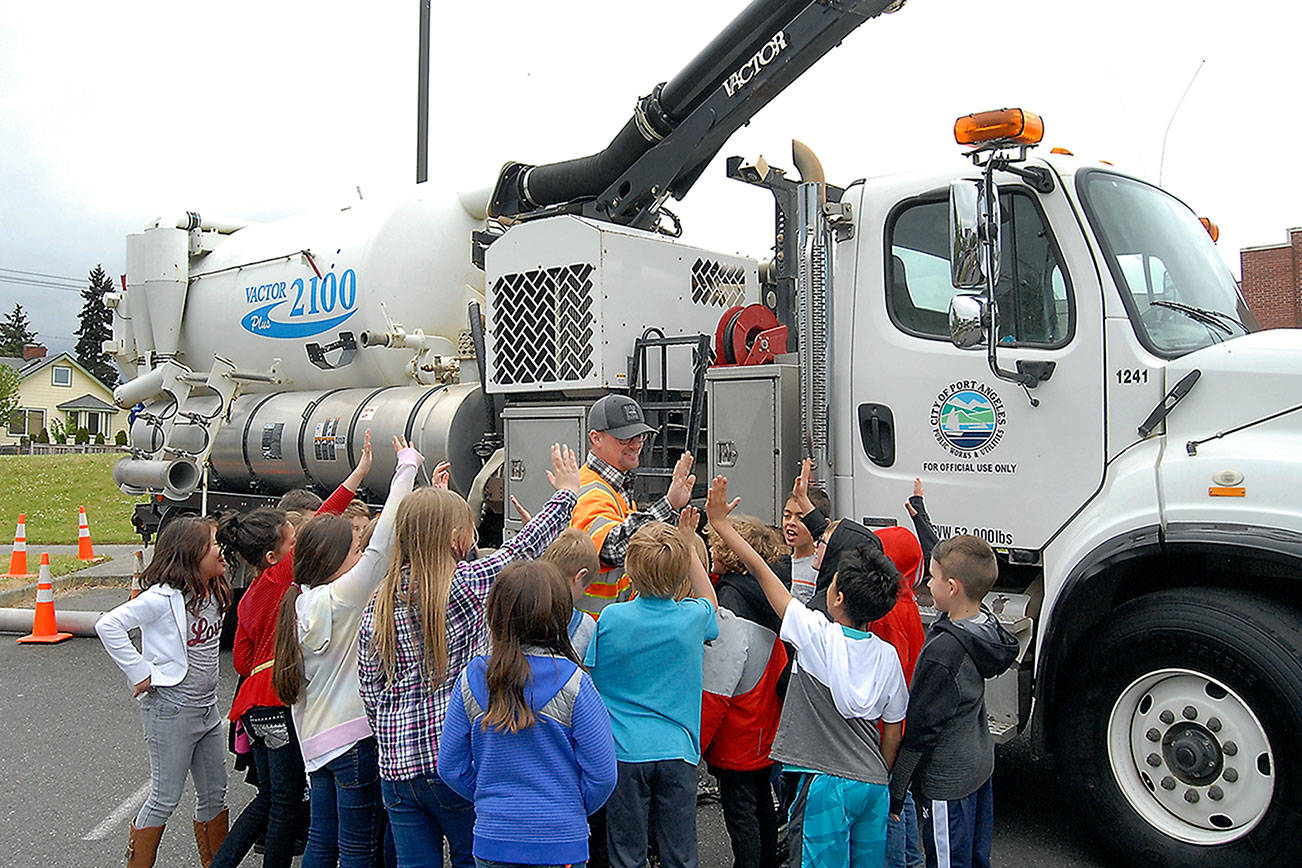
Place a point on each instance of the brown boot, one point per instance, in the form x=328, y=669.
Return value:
x=209, y=836
x=142, y=846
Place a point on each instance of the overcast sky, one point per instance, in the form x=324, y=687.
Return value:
x=114, y=113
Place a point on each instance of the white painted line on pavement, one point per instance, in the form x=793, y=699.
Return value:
x=130, y=805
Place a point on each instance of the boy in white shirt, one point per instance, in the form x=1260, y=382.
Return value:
x=844, y=681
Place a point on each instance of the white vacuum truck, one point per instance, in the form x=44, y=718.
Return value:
x=1052, y=345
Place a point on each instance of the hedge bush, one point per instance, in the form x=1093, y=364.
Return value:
x=82, y=437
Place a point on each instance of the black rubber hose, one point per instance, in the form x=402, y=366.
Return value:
x=585, y=177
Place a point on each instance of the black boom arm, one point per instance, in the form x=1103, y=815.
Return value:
x=677, y=129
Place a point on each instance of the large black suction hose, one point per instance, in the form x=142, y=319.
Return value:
x=657, y=114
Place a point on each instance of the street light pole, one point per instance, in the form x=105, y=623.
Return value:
x=422, y=97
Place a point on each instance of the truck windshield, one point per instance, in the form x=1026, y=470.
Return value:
x=1179, y=293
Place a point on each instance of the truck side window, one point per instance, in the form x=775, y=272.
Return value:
x=1033, y=291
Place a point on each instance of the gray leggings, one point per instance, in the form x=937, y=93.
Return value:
x=182, y=740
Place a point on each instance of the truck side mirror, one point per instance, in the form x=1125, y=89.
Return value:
x=970, y=234
x=967, y=322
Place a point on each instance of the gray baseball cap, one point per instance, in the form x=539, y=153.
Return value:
x=619, y=416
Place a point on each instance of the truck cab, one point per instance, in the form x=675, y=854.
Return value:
x=1136, y=492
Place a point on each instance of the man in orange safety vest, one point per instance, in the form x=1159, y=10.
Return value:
x=606, y=510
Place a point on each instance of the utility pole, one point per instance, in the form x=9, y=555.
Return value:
x=422, y=97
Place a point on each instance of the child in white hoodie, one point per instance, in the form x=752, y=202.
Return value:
x=174, y=675
x=316, y=672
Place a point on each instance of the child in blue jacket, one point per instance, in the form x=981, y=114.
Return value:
x=526, y=737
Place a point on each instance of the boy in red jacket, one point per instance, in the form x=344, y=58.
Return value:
x=740, y=707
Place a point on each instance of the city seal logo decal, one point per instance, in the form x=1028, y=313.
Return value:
x=968, y=419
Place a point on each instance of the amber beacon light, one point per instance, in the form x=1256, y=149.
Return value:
x=1006, y=126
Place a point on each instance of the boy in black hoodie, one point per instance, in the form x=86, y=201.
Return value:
x=947, y=748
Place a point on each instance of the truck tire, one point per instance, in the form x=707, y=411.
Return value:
x=1176, y=729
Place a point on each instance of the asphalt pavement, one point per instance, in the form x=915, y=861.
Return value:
x=73, y=770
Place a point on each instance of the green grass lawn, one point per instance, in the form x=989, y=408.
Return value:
x=49, y=488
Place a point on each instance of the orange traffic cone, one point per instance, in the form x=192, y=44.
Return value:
x=84, y=550
x=43, y=629
x=18, y=560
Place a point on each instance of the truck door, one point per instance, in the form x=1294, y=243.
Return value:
x=993, y=464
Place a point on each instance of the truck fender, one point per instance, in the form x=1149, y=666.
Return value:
x=1139, y=561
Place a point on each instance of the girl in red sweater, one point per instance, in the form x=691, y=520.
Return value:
x=264, y=538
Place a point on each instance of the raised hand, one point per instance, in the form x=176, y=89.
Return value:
x=680, y=488
x=358, y=476
x=564, y=475
x=364, y=463
x=689, y=518
x=401, y=443
x=800, y=488
x=439, y=478
x=917, y=492
x=525, y=516
x=717, y=506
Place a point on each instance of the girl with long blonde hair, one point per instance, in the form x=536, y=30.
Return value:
x=419, y=631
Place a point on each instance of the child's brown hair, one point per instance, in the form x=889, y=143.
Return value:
x=356, y=508
x=528, y=607
x=321, y=550
x=971, y=561
x=760, y=536
x=573, y=551
x=658, y=561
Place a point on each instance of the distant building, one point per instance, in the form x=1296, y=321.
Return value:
x=1272, y=281
x=57, y=387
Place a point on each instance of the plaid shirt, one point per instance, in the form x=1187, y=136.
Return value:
x=616, y=544
x=407, y=714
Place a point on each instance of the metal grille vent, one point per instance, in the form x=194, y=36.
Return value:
x=465, y=345
x=716, y=284
x=543, y=325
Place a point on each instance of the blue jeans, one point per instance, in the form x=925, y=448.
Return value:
x=346, y=812
x=275, y=809
x=903, y=844
x=486, y=863
x=422, y=812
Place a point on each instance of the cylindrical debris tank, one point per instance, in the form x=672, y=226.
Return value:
x=272, y=443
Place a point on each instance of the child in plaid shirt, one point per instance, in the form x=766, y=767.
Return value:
x=424, y=624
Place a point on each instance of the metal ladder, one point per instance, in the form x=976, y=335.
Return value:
x=678, y=420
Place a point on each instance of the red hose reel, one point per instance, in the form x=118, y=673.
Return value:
x=749, y=335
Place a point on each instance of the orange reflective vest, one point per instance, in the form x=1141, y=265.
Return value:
x=600, y=510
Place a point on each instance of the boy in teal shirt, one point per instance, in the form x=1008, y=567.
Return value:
x=646, y=659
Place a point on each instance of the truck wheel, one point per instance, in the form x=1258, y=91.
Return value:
x=1176, y=726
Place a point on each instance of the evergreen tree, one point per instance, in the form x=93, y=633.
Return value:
x=15, y=333
x=96, y=328
x=8, y=392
